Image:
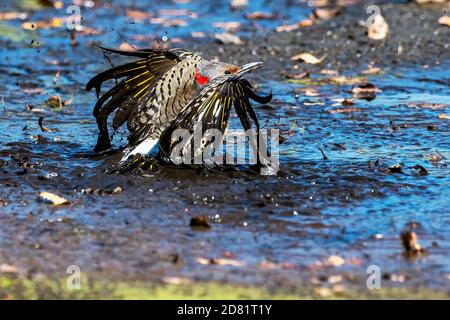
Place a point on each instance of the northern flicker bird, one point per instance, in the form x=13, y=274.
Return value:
x=169, y=89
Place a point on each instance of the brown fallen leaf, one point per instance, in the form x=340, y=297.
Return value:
x=221, y=262
x=344, y=110
x=13, y=16
x=297, y=76
x=200, y=222
x=226, y=38
x=378, y=29
x=177, y=12
x=326, y=13
x=343, y=80
x=227, y=26
x=444, y=116
x=138, y=15
x=410, y=243
x=287, y=28
x=53, y=198
x=371, y=70
x=259, y=15
x=335, y=261
x=56, y=102
x=175, y=23
x=444, y=20
x=198, y=34
x=8, y=268
x=307, y=58
x=295, y=26
x=236, y=4
x=52, y=23
x=125, y=46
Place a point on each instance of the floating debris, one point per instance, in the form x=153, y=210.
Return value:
x=410, y=243
x=378, y=29
x=396, y=168
x=421, y=169
x=307, y=58
x=53, y=199
x=444, y=20
x=221, y=262
x=226, y=38
x=101, y=191
x=200, y=222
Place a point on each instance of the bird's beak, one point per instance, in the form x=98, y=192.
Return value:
x=249, y=67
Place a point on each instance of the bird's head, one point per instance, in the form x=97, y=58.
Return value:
x=208, y=70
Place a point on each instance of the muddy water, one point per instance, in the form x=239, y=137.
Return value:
x=349, y=204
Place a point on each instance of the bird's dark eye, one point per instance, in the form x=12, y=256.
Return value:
x=227, y=72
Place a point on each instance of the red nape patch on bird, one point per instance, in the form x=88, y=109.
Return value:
x=201, y=80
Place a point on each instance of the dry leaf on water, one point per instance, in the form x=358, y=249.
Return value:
x=235, y=4
x=444, y=116
x=200, y=222
x=138, y=15
x=221, y=262
x=13, y=16
x=344, y=110
x=298, y=25
x=8, y=268
x=378, y=29
x=227, y=26
x=326, y=13
x=444, y=20
x=53, y=198
x=259, y=15
x=409, y=242
x=52, y=23
x=335, y=261
x=307, y=58
x=227, y=38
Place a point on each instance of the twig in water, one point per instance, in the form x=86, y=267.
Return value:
x=323, y=154
x=41, y=125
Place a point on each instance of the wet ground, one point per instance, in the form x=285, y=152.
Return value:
x=319, y=217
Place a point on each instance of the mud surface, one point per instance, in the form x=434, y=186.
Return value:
x=278, y=231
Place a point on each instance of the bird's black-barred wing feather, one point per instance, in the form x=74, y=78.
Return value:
x=137, y=79
x=210, y=109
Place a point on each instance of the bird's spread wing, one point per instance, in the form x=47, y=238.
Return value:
x=134, y=88
x=210, y=109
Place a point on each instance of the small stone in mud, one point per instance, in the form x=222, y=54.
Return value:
x=200, y=222
x=410, y=243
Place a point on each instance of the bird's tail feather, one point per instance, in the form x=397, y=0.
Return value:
x=134, y=89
